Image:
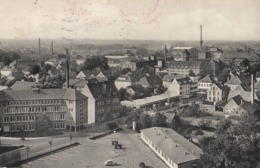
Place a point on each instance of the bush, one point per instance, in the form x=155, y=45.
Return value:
x=198, y=132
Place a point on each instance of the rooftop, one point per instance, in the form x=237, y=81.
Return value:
x=175, y=146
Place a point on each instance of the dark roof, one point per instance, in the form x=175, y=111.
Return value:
x=238, y=99
x=152, y=78
x=184, y=80
x=87, y=73
x=41, y=94
x=102, y=89
x=250, y=108
x=235, y=54
x=221, y=103
x=137, y=88
x=20, y=85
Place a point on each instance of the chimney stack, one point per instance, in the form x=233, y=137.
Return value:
x=165, y=50
x=201, y=42
x=39, y=45
x=66, y=51
x=52, y=48
x=67, y=74
x=252, y=89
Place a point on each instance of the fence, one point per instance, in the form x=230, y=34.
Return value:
x=30, y=151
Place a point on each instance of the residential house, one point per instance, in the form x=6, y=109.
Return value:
x=136, y=92
x=217, y=92
x=173, y=149
x=152, y=81
x=238, y=106
x=7, y=70
x=237, y=81
x=125, y=81
x=66, y=108
x=85, y=74
x=205, y=83
x=181, y=86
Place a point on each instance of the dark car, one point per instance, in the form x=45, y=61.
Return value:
x=142, y=165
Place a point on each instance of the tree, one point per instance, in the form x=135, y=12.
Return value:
x=235, y=145
x=6, y=60
x=43, y=124
x=159, y=120
x=245, y=62
x=94, y=62
x=122, y=94
x=145, y=120
x=191, y=73
x=34, y=69
x=193, y=111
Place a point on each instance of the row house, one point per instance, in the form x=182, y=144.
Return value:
x=98, y=73
x=172, y=148
x=20, y=109
x=103, y=99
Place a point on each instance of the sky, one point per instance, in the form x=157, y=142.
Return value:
x=130, y=19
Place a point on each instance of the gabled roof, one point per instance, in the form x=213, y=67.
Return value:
x=207, y=79
x=102, y=89
x=152, y=79
x=237, y=80
x=87, y=73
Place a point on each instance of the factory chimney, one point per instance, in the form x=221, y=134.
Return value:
x=39, y=45
x=252, y=89
x=67, y=74
x=165, y=50
x=52, y=48
x=201, y=42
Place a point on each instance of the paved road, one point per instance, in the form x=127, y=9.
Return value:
x=93, y=154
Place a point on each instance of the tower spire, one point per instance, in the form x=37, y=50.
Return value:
x=201, y=42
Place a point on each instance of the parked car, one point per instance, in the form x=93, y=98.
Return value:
x=142, y=165
x=110, y=163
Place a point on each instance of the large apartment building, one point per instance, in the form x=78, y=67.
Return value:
x=103, y=99
x=66, y=108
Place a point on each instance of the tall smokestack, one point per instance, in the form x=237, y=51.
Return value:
x=201, y=42
x=39, y=45
x=165, y=50
x=67, y=74
x=52, y=48
x=252, y=89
